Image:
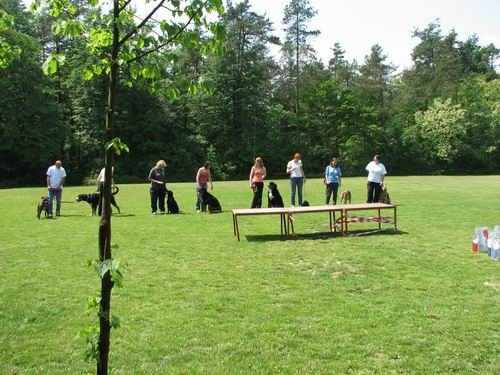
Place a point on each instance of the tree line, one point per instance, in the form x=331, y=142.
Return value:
x=441, y=115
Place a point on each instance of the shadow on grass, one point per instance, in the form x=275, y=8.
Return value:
x=319, y=236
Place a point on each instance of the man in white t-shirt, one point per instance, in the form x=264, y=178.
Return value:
x=55, y=181
x=376, y=173
x=297, y=177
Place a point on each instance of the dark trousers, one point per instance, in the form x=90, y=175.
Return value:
x=158, y=199
x=374, y=190
x=257, y=195
x=101, y=197
x=332, y=188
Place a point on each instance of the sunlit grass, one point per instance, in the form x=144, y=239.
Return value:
x=197, y=301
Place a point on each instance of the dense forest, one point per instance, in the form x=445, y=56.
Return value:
x=441, y=115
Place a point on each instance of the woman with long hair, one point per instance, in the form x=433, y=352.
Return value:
x=257, y=175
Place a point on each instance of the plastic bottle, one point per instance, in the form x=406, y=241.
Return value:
x=475, y=243
x=489, y=243
x=483, y=246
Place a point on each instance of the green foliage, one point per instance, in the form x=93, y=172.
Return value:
x=443, y=126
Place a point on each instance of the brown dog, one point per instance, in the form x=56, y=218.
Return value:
x=43, y=206
x=384, y=195
x=345, y=196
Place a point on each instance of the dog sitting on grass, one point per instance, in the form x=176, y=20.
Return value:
x=345, y=196
x=274, y=196
x=172, y=206
x=384, y=195
x=209, y=202
x=43, y=206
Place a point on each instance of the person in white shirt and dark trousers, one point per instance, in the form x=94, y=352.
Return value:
x=376, y=173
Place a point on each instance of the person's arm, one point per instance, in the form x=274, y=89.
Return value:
x=210, y=180
x=48, y=182
x=251, y=176
x=289, y=168
x=325, y=177
x=384, y=172
x=303, y=174
x=340, y=177
x=264, y=174
x=151, y=179
x=62, y=182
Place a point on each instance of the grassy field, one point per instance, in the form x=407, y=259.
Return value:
x=196, y=301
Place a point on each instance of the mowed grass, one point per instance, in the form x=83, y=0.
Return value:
x=196, y=301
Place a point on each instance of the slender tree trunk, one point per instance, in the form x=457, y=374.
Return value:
x=105, y=222
x=297, y=75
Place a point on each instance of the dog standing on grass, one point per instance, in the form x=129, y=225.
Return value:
x=345, y=196
x=43, y=206
x=93, y=200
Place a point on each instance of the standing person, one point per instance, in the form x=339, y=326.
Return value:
x=55, y=181
x=376, y=173
x=158, y=187
x=203, y=177
x=100, y=187
x=257, y=175
x=333, y=175
x=297, y=177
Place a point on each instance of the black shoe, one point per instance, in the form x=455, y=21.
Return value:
x=50, y=216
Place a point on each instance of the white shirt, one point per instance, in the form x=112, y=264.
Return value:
x=296, y=168
x=101, y=177
x=376, y=172
x=56, y=175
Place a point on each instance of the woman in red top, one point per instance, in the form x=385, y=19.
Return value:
x=257, y=175
x=203, y=177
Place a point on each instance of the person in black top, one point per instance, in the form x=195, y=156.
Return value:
x=158, y=187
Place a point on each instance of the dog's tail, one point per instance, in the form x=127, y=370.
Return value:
x=114, y=190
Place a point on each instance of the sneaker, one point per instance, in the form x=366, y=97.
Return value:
x=198, y=211
x=58, y=214
x=162, y=212
x=154, y=213
x=292, y=206
x=50, y=216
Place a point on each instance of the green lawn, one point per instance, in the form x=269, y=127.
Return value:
x=196, y=301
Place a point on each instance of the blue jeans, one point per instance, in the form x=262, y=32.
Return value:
x=55, y=193
x=296, y=184
x=199, y=188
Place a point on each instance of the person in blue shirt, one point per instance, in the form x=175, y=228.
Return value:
x=333, y=175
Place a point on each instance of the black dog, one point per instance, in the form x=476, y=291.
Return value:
x=172, y=206
x=93, y=199
x=305, y=204
x=274, y=196
x=210, y=202
x=43, y=206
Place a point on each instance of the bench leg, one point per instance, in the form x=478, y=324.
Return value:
x=395, y=221
x=379, y=220
x=237, y=228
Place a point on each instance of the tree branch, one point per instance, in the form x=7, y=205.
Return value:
x=146, y=19
x=127, y=2
x=171, y=39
